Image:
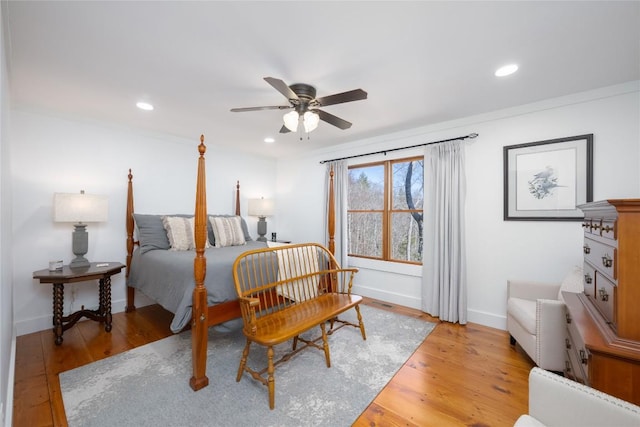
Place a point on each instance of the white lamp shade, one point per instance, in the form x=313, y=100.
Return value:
x=291, y=120
x=80, y=207
x=311, y=121
x=260, y=207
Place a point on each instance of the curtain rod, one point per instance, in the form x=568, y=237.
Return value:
x=471, y=135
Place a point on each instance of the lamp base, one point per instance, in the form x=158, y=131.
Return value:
x=262, y=229
x=79, y=246
x=79, y=262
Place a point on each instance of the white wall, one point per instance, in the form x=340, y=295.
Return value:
x=496, y=249
x=51, y=154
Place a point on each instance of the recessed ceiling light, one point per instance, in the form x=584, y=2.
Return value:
x=269, y=140
x=506, y=70
x=144, y=106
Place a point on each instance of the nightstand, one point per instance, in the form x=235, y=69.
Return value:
x=101, y=271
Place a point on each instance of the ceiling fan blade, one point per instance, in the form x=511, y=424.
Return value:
x=271, y=107
x=333, y=120
x=284, y=129
x=339, y=98
x=281, y=87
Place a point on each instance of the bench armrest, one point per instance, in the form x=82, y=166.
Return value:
x=342, y=278
x=248, y=309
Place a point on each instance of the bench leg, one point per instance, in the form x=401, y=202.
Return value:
x=271, y=383
x=295, y=343
x=243, y=360
x=325, y=345
x=361, y=323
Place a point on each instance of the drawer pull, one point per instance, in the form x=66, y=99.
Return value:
x=595, y=226
x=567, y=366
x=567, y=343
x=586, y=249
x=607, y=261
x=583, y=357
x=604, y=296
x=607, y=229
x=588, y=279
x=568, y=317
x=585, y=224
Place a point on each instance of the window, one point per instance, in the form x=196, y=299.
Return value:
x=385, y=202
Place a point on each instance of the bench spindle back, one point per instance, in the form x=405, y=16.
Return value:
x=282, y=276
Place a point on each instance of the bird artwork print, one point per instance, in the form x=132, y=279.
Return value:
x=544, y=183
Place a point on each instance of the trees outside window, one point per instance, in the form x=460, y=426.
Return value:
x=385, y=217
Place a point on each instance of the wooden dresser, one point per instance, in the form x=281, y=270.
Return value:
x=603, y=322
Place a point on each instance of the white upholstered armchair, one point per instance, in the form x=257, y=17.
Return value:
x=536, y=318
x=555, y=401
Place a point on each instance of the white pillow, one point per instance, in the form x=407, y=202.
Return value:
x=181, y=233
x=573, y=282
x=227, y=231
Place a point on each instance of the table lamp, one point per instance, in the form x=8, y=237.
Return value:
x=261, y=208
x=79, y=208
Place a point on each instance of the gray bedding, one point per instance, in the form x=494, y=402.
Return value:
x=167, y=277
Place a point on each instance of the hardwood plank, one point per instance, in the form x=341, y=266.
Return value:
x=460, y=375
x=100, y=343
x=29, y=357
x=144, y=325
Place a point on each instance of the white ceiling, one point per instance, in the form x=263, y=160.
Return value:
x=420, y=62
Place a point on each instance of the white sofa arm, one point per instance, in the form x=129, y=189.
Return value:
x=532, y=290
x=550, y=333
x=557, y=401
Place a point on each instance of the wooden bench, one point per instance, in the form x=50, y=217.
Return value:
x=285, y=291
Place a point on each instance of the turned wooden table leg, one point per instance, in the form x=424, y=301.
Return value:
x=105, y=292
x=58, y=301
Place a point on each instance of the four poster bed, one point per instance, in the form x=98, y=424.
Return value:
x=179, y=282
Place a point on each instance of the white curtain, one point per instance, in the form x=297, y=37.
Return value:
x=340, y=179
x=444, y=278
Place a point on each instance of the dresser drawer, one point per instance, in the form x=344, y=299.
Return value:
x=589, y=226
x=608, y=229
x=604, y=298
x=577, y=356
x=589, y=280
x=573, y=369
x=602, y=257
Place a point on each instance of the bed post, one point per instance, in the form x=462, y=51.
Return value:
x=200, y=312
x=238, y=198
x=130, y=243
x=331, y=221
x=331, y=228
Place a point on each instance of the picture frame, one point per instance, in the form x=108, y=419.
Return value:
x=548, y=180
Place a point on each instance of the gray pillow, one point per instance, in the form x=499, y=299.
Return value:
x=151, y=232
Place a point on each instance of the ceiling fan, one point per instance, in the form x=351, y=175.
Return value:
x=302, y=99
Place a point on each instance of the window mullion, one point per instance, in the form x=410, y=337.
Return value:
x=386, y=220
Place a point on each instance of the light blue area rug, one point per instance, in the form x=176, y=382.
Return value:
x=149, y=385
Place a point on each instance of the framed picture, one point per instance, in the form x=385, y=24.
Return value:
x=547, y=180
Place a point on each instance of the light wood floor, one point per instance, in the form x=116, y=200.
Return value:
x=459, y=376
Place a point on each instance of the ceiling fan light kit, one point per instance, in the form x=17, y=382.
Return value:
x=291, y=120
x=302, y=99
x=310, y=121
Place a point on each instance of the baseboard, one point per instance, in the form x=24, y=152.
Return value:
x=42, y=323
x=487, y=319
x=6, y=407
x=394, y=298
x=480, y=317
